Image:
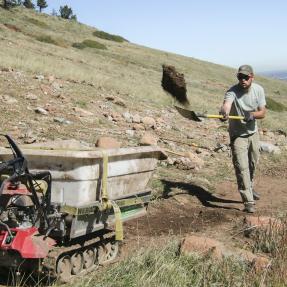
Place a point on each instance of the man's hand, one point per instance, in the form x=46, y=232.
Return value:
x=248, y=117
x=225, y=116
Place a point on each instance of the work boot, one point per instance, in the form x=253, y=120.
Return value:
x=249, y=207
x=256, y=195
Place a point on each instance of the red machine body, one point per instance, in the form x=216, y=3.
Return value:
x=28, y=242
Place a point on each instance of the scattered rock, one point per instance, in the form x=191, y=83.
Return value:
x=107, y=143
x=128, y=117
x=39, y=77
x=269, y=148
x=62, y=121
x=120, y=102
x=199, y=163
x=148, y=139
x=217, y=250
x=220, y=147
x=171, y=160
x=281, y=132
x=51, y=78
x=7, y=69
x=81, y=112
x=8, y=100
x=149, y=122
x=136, y=119
x=110, y=98
x=56, y=85
x=41, y=111
x=31, y=97
x=130, y=133
x=184, y=163
x=30, y=140
x=117, y=117
x=138, y=127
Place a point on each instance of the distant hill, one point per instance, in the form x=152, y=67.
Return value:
x=280, y=75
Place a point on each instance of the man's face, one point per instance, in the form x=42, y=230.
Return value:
x=245, y=81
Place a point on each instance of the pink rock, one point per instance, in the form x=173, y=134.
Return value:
x=108, y=143
x=148, y=139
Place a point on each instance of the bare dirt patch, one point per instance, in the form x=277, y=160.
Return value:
x=194, y=210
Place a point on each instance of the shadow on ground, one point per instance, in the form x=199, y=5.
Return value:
x=204, y=196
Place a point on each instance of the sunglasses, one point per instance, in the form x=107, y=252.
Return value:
x=243, y=77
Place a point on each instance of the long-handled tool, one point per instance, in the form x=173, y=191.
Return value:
x=191, y=115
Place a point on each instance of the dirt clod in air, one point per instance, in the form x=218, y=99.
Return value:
x=173, y=82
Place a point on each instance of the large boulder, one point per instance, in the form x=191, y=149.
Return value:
x=107, y=143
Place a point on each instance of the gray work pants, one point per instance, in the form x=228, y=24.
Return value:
x=245, y=156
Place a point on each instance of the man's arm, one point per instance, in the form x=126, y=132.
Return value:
x=225, y=108
x=260, y=114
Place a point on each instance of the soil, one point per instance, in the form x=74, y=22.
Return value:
x=174, y=83
x=195, y=210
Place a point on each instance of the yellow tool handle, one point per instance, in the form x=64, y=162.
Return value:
x=221, y=117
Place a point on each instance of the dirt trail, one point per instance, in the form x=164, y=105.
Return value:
x=196, y=210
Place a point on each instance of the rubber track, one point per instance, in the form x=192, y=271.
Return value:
x=49, y=263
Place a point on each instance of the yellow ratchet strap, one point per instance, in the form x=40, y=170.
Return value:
x=108, y=204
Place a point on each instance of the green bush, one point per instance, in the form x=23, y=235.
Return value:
x=79, y=45
x=107, y=36
x=94, y=44
x=46, y=39
x=275, y=106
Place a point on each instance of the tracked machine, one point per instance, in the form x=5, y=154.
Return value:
x=62, y=210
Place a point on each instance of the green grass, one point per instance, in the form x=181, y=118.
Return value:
x=94, y=44
x=37, y=22
x=79, y=46
x=163, y=267
x=81, y=104
x=89, y=44
x=49, y=40
x=110, y=37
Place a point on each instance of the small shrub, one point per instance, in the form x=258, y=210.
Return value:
x=94, y=44
x=79, y=45
x=46, y=39
x=275, y=106
x=81, y=104
x=37, y=22
x=107, y=36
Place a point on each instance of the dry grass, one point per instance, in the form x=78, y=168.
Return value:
x=126, y=67
x=165, y=267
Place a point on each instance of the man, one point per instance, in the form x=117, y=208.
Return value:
x=245, y=99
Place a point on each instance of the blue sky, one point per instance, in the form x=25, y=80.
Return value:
x=226, y=32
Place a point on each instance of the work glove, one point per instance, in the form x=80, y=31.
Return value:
x=248, y=117
x=225, y=116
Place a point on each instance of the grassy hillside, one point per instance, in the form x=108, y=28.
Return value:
x=39, y=43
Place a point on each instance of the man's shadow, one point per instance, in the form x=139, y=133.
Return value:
x=205, y=197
